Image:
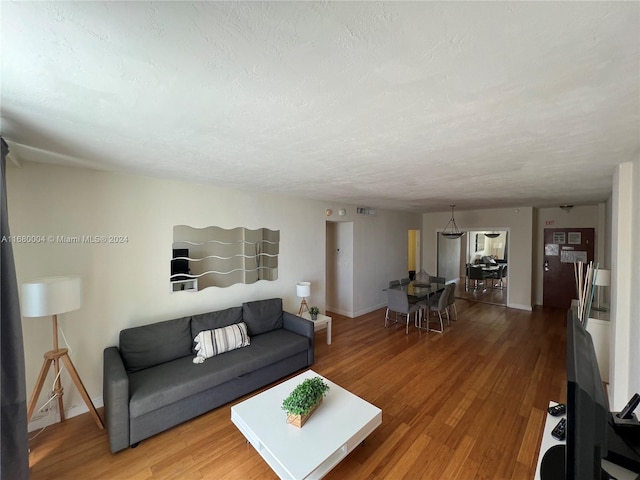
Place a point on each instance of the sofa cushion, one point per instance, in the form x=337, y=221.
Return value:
x=262, y=316
x=149, y=345
x=168, y=383
x=213, y=320
x=210, y=343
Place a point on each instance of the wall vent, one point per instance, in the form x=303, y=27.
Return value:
x=366, y=211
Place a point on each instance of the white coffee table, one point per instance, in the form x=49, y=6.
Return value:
x=340, y=424
x=322, y=321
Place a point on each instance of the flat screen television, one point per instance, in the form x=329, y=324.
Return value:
x=587, y=405
x=590, y=433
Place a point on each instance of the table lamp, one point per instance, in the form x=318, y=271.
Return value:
x=303, y=290
x=602, y=279
x=52, y=296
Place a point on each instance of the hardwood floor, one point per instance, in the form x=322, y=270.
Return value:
x=469, y=403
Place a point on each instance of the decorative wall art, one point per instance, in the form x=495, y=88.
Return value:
x=216, y=257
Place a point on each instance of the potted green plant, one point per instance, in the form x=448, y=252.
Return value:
x=304, y=399
x=314, y=311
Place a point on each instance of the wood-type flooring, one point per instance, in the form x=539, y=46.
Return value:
x=466, y=404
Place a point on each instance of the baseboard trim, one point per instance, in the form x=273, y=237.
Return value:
x=46, y=419
x=346, y=313
x=528, y=308
x=352, y=314
x=370, y=309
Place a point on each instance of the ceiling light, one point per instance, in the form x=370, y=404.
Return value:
x=492, y=235
x=454, y=232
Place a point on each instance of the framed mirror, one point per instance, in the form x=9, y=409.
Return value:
x=216, y=257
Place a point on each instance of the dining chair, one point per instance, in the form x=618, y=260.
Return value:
x=437, y=279
x=503, y=275
x=393, y=283
x=398, y=302
x=404, y=281
x=451, y=301
x=498, y=274
x=468, y=267
x=477, y=274
x=440, y=305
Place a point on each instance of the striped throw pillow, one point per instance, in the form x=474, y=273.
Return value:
x=213, y=342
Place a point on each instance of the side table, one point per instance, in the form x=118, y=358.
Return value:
x=321, y=322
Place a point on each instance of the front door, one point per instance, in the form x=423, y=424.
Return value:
x=563, y=247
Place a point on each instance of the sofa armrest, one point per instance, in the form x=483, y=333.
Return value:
x=301, y=326
x=115, y=394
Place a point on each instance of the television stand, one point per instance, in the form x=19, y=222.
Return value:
x=623, y=463
x=624, y=446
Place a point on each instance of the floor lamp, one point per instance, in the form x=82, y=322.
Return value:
x=52, y=296
x=303, y=290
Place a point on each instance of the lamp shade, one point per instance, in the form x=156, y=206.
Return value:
x=303, y=289
x=51, y=296
x=603, y=278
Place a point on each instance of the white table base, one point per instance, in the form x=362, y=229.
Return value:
x=339, y=425
x=319, y=323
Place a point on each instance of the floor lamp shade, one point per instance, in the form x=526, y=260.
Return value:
x=51, y=296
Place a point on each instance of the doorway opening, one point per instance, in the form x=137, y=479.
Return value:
x=413, y=255
x=339, y=267
x=486, y=267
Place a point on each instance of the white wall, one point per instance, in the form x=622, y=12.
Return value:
x=517, y=221
x=381, y=254
x=588, y=216
x=625, y=289
x=127, y=284
x=340, y=267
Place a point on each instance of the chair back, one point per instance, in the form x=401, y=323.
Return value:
x=452, y=294
x=404, y=281
x=503, y=272
x=476, y=273
x=397, y=300
x=443, y=301
x=393, y=283
x=437, y=279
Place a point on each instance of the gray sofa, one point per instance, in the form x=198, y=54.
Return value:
x=151, y=382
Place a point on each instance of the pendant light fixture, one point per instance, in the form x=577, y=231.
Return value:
x=492, y=235
x=454, y=232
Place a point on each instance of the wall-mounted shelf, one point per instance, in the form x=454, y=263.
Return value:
x=190, y=285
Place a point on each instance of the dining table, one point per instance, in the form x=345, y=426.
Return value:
x=419, y=290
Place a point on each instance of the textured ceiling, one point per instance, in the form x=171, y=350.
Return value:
x=399, y=105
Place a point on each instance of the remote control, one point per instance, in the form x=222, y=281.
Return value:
x=559, y=432
x=558, y=410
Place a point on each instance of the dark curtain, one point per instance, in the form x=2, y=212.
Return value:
x=14, y=444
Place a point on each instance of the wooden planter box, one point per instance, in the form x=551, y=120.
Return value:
x=299, y=420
